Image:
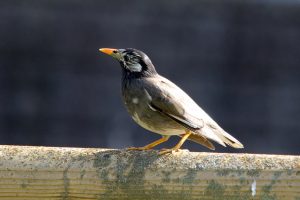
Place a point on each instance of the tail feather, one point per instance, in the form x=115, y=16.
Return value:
x=209, y=133
x=223, y=135
x=201, y=140
x=215, y=133
x=230, y=140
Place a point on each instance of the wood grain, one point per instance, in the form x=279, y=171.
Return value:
x=79, y=173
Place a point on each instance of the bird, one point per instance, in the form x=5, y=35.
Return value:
x=160, y=106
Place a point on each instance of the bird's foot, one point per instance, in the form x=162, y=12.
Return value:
x=166, y=151
x=137, y=148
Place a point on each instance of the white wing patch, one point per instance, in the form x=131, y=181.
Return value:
x=135, y=100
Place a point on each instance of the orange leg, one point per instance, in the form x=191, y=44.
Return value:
x=178, y=145
x=151, y=145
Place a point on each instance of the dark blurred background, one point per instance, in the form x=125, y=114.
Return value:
x=240, y=60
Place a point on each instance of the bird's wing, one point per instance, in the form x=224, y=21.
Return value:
x=163, y=99
x=170, y=100
x=171, y=111
x=173, y=102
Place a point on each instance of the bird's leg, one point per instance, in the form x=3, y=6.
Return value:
x=178, y=145
x=151, y=145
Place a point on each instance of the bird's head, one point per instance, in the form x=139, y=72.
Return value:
x=133, y=61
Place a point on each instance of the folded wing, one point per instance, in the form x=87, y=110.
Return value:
x=173, y=102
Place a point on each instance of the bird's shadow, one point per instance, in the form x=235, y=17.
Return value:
x=125, y=165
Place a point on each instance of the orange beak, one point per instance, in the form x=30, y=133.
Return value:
x=108, y=51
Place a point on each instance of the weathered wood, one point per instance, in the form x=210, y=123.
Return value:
x=77, y=173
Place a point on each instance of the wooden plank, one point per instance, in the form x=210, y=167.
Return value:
x=78, y=173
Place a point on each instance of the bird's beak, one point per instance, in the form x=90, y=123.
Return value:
x=108, y=51
x=112, y=52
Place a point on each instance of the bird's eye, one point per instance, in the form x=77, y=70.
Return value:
x=115, y=51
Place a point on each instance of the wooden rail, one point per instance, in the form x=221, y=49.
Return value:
x=78, y=173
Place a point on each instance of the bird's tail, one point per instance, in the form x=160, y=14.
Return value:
x=220, y=136
x=201, y=140
x=229, y=139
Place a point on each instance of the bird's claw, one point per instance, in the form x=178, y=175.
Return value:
x=166, y=151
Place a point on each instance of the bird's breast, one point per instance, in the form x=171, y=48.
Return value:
x=138, y=107
x=137, y=100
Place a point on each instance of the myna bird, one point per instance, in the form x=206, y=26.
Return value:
x=158, y=105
